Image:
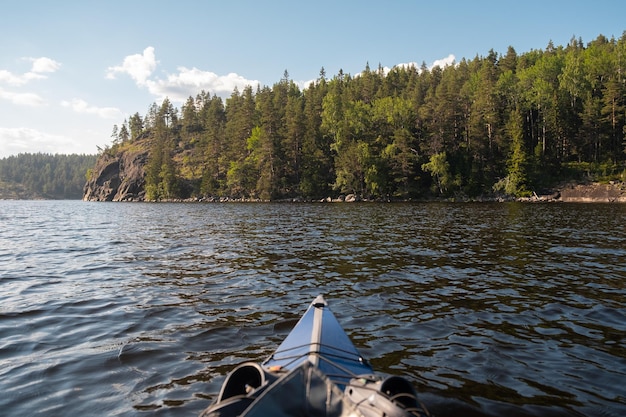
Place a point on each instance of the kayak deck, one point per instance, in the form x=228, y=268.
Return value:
x=315, y=371
x=319, y=338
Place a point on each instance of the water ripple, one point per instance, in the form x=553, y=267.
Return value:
x=141, y=309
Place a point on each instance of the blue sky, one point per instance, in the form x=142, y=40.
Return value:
x=70, y=70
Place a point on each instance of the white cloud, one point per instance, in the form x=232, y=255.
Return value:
x=40, y=66
x=405, y=65
x=305, y=84
x=44, y=64
x=23, y=99
x=189, y=82
x=138, y=66
x=26, y=140
x=15, y=80
x=179, y=86
x=442, y=63
x=81, y=106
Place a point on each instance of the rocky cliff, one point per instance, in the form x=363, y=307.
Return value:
x=119, y=177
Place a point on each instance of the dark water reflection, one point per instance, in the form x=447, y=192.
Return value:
x=139, y=309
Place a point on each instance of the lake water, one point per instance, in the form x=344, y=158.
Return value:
x=133, y=309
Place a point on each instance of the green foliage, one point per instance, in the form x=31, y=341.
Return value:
x=439, y=167
x=517, y=164
x=594, y=171
x=46, y=176
x=509, y=123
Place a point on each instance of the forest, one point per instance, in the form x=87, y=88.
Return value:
x=41, y=175
x=507, y=123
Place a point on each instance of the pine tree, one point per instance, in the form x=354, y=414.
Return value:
x=517, y=164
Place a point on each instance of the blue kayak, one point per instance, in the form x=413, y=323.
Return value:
x=316, y=371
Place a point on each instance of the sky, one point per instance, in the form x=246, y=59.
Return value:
x=71, y=70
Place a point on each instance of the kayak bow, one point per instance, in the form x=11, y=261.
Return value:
x=319, y=338
x=315, y=371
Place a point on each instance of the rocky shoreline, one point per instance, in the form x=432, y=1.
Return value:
x=122, y=178
x=570, y=193
x=612, y=192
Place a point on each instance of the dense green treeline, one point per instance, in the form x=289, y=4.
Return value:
x=510, y=123
x=42, y=175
